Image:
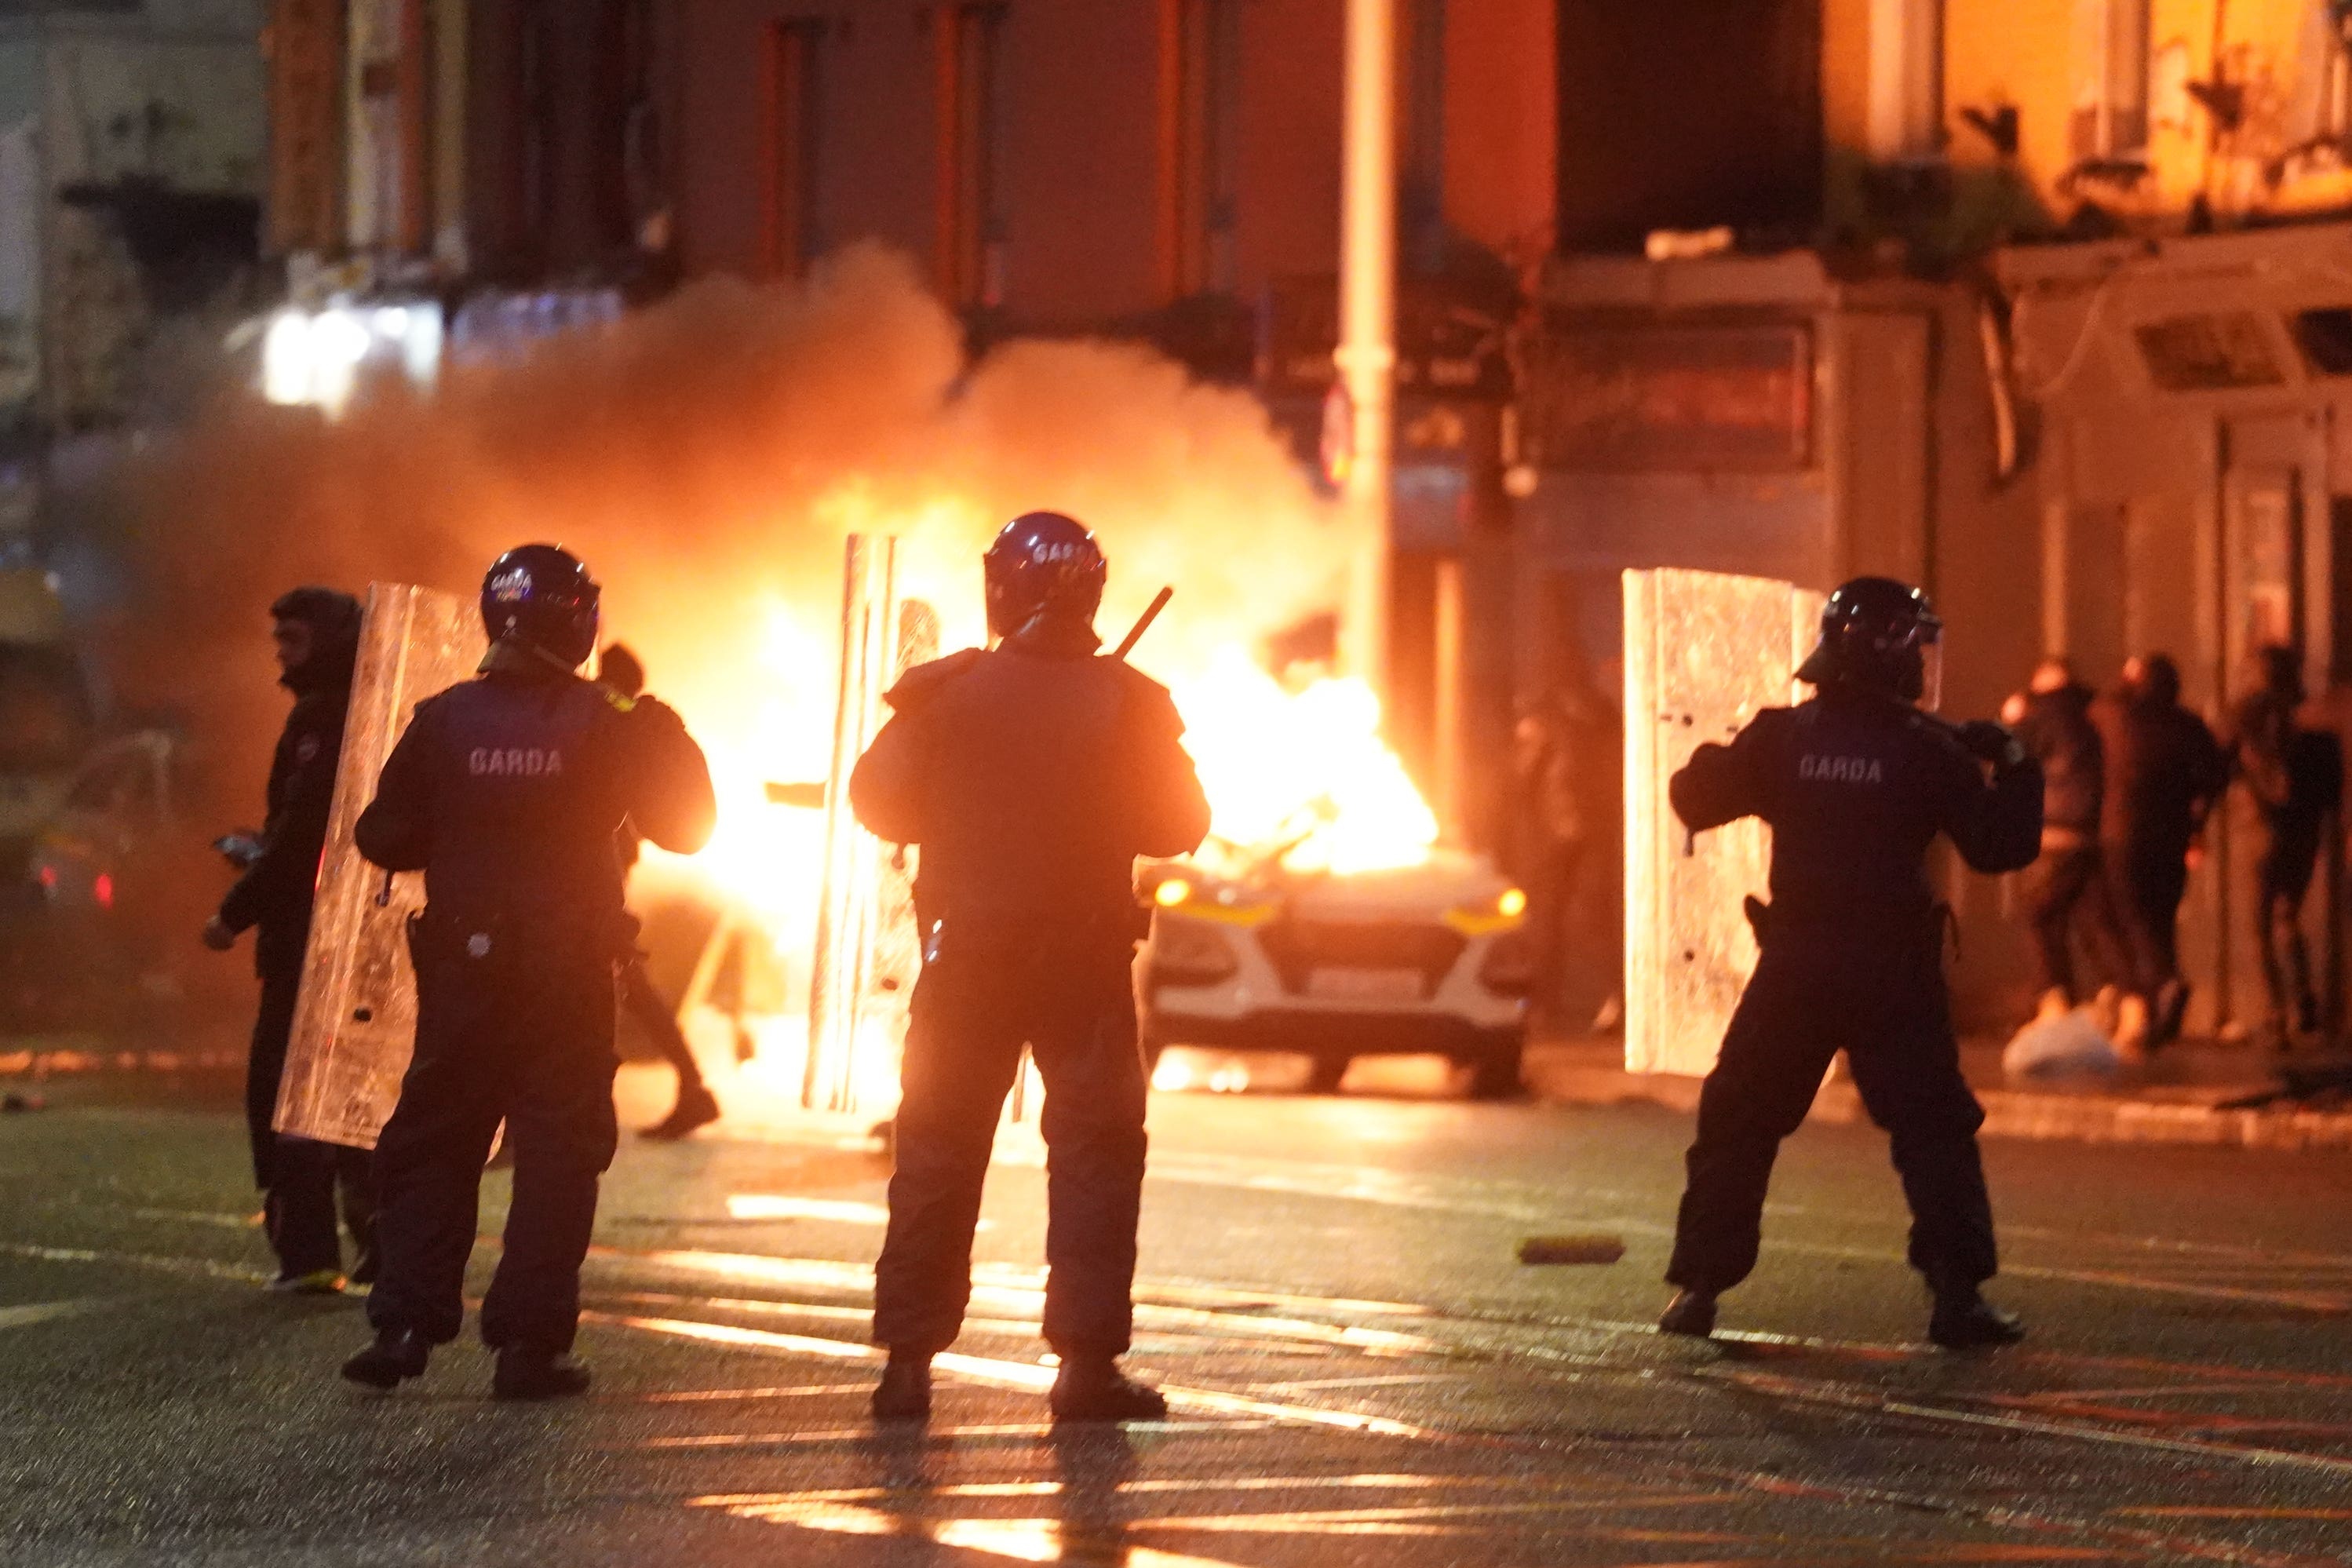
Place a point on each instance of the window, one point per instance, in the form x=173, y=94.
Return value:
x=1907, y=79
x=2324, y=336
x=2208, y=352
x=2111, y=75
x=1202, y=163
x=971, y=225
x=789, y=142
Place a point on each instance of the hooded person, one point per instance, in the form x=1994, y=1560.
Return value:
x=315, y=632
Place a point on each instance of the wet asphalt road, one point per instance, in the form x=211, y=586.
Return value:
x=1362, y=1372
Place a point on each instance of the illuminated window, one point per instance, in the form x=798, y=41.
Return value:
x=2111, y=75
x=972, y=243
x=790, y=144
x=1204, y=162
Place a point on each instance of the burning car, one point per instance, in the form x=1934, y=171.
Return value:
x=1428, y=957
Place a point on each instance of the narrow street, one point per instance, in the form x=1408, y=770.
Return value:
x=1361, y=1371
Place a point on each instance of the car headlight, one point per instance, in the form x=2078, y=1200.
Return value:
x=1188, y=952
x=1503, y=912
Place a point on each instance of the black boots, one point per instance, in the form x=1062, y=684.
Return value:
x=529, y=1372
x=1691, y=1313
x=697, y=1108
x=396, y=1355
x=1964, y=1320
x=905, y=1391
x=1092, y=1388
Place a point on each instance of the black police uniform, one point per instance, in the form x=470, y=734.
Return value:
x=1030, y=777
x=506, y=792
x=299, y=1178
x=1856, y=787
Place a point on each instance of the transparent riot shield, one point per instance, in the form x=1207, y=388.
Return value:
x=356, y=1022
x=862, y=973
x=1703, y=651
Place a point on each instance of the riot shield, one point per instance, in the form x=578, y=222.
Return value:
x=356, y=1022
x=868, y=954
x=1703, y=651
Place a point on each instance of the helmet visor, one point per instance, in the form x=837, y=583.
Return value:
x=1931, y=674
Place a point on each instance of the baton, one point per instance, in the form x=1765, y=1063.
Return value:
x=1151, y=614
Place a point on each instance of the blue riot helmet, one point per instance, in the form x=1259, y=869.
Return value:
x=1879, y=636
x=1043, y=566
x=540, y=596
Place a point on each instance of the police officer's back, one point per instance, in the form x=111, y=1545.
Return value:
x=508, y=792
x=1856, y=784
x=1029, y=777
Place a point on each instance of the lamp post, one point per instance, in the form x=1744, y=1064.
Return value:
x=1367, y=353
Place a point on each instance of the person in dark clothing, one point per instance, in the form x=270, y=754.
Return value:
x=508, y=792
x=1030, y=777
x=2295, y=775
x=1565, y=743
x=2164, y=771
x=317, y=633
x=619, y=671
x=1856, y=784
x=2067, y=890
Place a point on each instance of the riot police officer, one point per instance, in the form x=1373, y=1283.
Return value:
x=506, y=792
x=316, y=634
x=1856, y=784
x=1030, y=776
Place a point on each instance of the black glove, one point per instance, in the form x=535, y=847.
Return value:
x=1991, y=742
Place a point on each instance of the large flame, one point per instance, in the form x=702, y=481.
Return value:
x=1297, y=772
x=1304, y=768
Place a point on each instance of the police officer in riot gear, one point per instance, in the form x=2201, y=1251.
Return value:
x=1856, y=784
x=1030, y=776
x=317, y=633
x=506, y=792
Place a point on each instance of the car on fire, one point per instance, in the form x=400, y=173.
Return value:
x=1249, y=953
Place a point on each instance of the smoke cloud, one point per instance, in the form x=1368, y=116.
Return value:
x=706, y=458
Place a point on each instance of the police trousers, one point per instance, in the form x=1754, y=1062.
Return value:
x=1885, y=1005
x=526, y=1038
x=1072, y=1002
x=300, y=1180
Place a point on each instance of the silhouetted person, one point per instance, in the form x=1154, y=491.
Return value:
x=1029, y=777
x=317, y=633
x=2067, y=891
x=2165, y=771
x=2295, y=775
x=620, y=672
x=1560, y=820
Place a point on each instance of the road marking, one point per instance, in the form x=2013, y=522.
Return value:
x=1020, y=1540
x=1847, y=1396
x=241, y=1272
x=1022, y=1375
x=25, y=1317
x=702, y=1395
